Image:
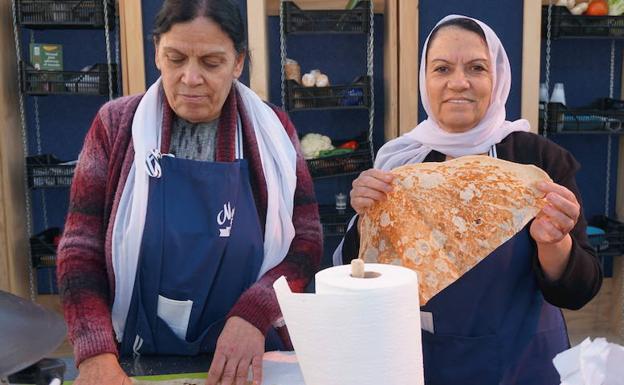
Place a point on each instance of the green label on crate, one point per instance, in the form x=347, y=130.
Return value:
x=47, y=57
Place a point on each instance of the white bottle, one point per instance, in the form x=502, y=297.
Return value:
x=558, y=94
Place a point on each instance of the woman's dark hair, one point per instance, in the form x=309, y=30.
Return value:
x=223, y=12
x=460, y=22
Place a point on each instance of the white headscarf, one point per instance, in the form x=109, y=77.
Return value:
x=414, y=146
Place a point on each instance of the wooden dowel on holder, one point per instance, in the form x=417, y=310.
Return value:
x=357, y=268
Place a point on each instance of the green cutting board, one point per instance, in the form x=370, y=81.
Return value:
x=165, y=377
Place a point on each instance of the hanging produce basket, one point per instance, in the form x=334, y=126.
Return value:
x=613, y=237
x=65, y=14
x=335, y=221
x=45, y=171
x=92, y=80
x=299, y=21
x=348, y=96
x=43, y=247
x=563, y=120
x=346, y=164
x=566, y=25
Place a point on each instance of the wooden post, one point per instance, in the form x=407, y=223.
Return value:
x=132, y=51
x=531, y=47
x=391, y=70
x=258, y=47
x=14, y=259
x=408, y=65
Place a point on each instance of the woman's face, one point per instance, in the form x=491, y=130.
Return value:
x=198, y=64
x=458, y=79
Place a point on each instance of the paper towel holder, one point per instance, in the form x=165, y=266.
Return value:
x=358, y=270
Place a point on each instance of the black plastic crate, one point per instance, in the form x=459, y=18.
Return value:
x=356, y=20
x=335, y=221
x=49, y=14
x=346, y=96
x=564, y=24
x=46, y=171
x=354, y=162
x=564, y=120
x=93, y=80
x=43, y=247
x=612, y=242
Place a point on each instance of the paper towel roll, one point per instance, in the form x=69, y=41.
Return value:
x=356, y=331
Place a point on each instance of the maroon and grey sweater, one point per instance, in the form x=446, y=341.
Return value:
x=84, y=267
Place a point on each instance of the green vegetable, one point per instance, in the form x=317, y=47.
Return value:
x=616, y=7
x=334, y=152
x=352, y=3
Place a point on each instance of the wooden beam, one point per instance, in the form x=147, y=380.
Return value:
x=273, y=5
x=531, y=47
x=132, y=50
x=258, y=48
x=408, y=65
x=391, y=70
x=14, y=259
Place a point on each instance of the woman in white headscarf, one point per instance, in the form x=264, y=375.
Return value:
x=500, y=323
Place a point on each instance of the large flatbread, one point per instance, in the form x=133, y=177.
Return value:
x=442, y=219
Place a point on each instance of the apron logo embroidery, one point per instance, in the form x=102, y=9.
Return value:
x=227, y=214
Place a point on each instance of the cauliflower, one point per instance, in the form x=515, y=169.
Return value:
x=616, y=7
x=312, y=144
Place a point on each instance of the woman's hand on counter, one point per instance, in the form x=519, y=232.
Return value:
x=102, y=369
x=240, y=346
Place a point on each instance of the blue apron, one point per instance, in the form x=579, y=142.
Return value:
x=203, y=243
x=492, y=326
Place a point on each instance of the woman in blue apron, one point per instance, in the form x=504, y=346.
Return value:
x=500, y=323
x=188, y=203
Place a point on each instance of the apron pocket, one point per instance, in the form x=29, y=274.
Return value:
x=176, y=314
x=534, y=366
x=451, y=360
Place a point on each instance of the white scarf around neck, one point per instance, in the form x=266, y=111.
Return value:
x=278, y=157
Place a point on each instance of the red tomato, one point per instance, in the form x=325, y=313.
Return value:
x=598, y=8
x=351, y=145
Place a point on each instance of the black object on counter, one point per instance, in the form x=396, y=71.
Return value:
x=41, y=373
x=28, y=333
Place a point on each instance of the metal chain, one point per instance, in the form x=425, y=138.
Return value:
x=28, y=204
x=37, y=125
x=117, y=61
x=282, y=54
x=369, y=72
x=547, y=75
x=42, y=194
x=608, y=177
x=612, y=69
x=609, y=137
x=44, y=204
x=108, y=50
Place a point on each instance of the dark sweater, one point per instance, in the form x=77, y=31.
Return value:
x=582, y=277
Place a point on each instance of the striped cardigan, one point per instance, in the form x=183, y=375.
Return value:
x=84, y=267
